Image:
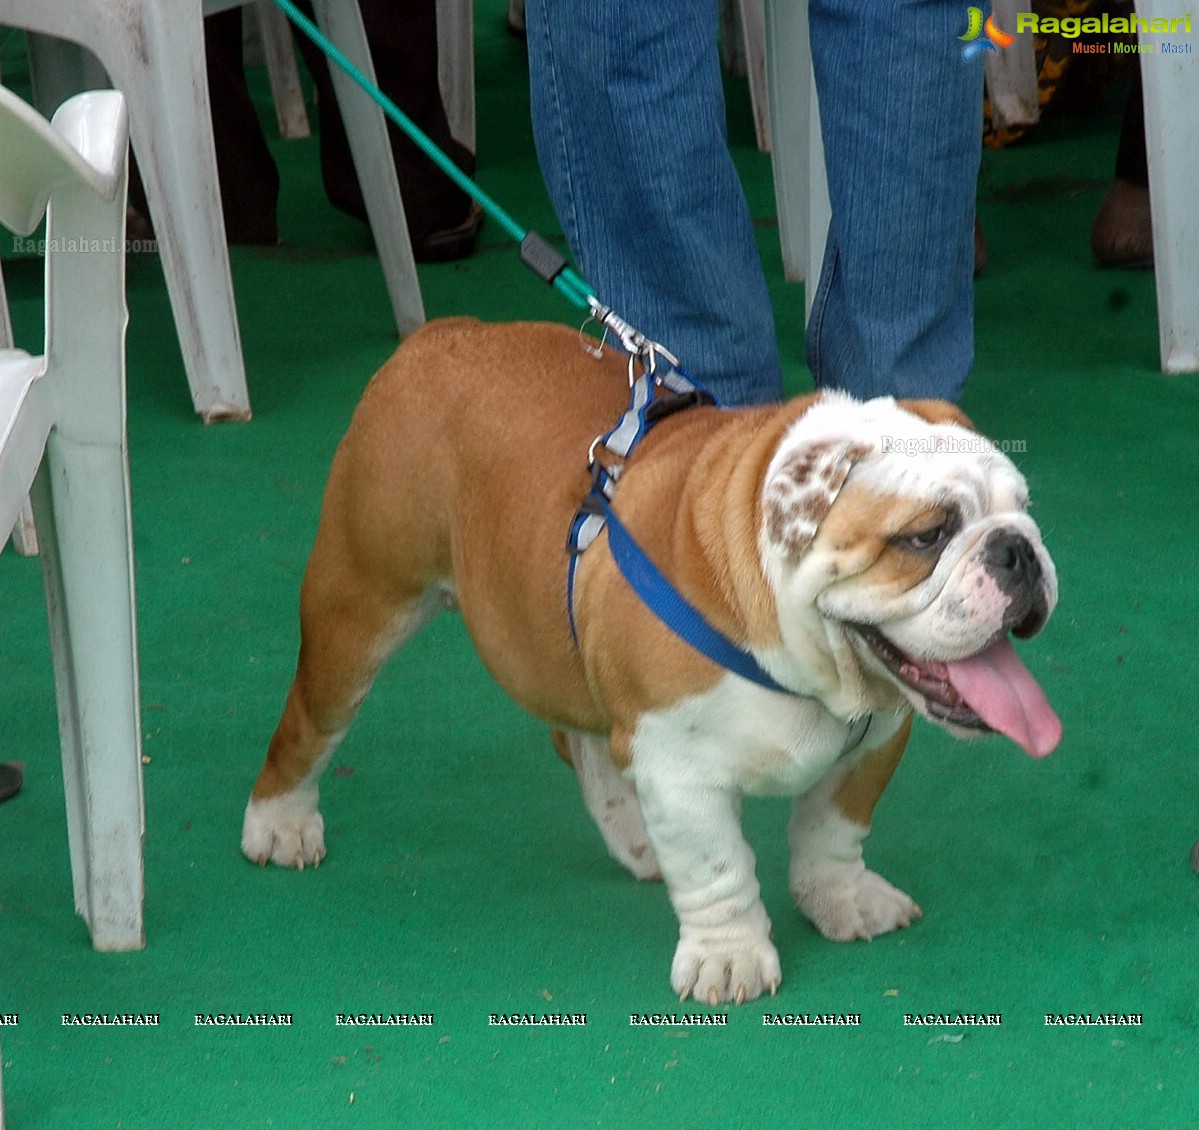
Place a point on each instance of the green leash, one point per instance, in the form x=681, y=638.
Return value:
x=535, y=251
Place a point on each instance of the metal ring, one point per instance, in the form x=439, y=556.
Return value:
x=595, y=351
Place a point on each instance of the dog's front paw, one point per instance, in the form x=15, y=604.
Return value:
x=736, y=969
x=861, y=906
x=286, y=830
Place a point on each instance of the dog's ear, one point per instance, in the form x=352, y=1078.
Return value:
x=801, y=490
x=938, y=412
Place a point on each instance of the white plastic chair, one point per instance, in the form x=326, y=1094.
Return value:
x=153, y=51
x=62, y=433
x=1172, y=143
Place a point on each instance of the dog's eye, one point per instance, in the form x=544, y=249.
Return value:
x=932, y=538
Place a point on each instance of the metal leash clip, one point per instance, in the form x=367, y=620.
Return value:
x=636, y=344
x=645, y=377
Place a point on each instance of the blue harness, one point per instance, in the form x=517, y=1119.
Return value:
x=656, y=393
x=659, y=390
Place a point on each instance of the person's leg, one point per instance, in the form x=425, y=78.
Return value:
x=248, y=177
x=901, y=118
x=1122, y=235
x=403, y=42
x=628, y=116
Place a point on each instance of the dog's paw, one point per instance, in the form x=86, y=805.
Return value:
x=285, y=830
x=856, y=908
x=735, y=970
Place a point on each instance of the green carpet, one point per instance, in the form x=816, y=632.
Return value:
x=464, y=878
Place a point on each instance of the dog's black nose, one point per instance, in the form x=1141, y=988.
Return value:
x=1011, y=560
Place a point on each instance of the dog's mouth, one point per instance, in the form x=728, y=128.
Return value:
x=927, y=678
x=989, y=691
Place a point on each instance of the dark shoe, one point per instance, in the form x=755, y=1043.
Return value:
x=11, y=779
x=450, y=243
x=1122, y=235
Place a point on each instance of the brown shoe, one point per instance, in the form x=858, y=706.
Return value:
x=1122, y=235
x=451, y=243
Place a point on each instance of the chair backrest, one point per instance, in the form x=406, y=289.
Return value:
x=72, y=169
x=84, y=145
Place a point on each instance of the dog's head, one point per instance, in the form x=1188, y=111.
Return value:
x=901, y=554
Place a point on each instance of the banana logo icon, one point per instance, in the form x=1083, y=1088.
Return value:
x=975, y=26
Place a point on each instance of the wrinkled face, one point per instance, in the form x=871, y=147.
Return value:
x=907, y=535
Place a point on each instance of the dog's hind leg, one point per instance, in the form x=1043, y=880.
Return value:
x=612, y=801
x=348, y=631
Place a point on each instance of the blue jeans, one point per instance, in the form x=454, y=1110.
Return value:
x=901, y=118
x=628, y=116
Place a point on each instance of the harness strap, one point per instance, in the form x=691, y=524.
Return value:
x=644, y=411
x=675, y=611
x=690, y=625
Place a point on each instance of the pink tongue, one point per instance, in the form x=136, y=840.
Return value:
x=1003, y=693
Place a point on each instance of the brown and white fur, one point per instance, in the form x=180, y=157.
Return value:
x=455, y=487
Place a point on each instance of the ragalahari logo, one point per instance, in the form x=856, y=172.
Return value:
x=993, y=37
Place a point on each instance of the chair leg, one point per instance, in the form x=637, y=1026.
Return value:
x=6, y=341
x=456, y=67
x=24, y=533
x=1172, y=145
x=1011, y=74
x=81, y=498
x=284, y=74
x=753, y=34
x=366, y=129
x=797, y=151
x=171, y=126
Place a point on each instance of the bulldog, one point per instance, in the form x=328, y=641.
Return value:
x=872, y=557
